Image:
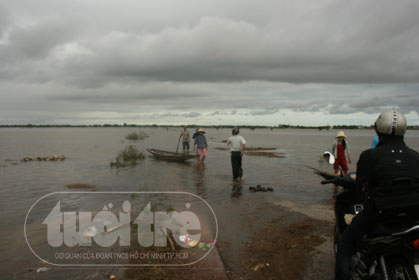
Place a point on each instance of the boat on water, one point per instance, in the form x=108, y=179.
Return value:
x=171, y=155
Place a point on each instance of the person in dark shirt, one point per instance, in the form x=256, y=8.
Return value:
x=377, y=170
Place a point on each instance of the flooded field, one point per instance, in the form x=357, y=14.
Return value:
x=240, y=214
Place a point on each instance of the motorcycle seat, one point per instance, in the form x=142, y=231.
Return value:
x=392, y=228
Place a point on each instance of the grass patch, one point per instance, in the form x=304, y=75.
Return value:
x=134, y=136
x=128, y=157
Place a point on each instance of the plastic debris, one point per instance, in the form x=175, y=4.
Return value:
x=90, y=232
x=41, y=269
x=259, y=266
x=204, y=246
x=184, y=238
x=192, y=243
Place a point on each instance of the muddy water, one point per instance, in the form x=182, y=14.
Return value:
x=89, y=152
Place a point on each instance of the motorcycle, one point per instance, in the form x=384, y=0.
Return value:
x=390, y=251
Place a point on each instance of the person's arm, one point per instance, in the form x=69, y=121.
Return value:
x=205, y=140
x=333, y=149
x=195, y=144
x=243, y=146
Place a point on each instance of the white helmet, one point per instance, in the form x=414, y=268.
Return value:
x=391, y=122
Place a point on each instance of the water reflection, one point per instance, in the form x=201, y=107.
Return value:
x=200, y=182
x=236, y=191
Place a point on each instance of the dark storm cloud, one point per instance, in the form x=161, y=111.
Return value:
x=334, y=42
x=109, y=60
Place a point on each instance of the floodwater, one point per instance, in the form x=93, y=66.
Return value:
x=89, y=152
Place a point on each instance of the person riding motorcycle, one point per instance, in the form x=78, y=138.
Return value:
x=379, y=173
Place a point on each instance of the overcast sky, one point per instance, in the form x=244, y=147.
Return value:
x=208, y=62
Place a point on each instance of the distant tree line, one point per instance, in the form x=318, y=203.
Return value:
x=252, y=127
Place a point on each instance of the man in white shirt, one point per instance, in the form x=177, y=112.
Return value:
x=186, y=138
x=237, y=145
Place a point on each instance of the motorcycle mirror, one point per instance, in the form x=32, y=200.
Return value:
x=328, y=156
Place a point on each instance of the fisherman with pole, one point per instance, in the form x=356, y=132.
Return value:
x=186, y=138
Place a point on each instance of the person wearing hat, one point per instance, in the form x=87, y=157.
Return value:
x=237, y=145
x=342, y=150
x=200, y=145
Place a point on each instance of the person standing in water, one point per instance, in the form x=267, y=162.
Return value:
x=342, y=150
x=237, y=146
x=201, y=146
x=186, y=138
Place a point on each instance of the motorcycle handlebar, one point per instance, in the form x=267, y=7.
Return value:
x=330, y=181
x=346, y=181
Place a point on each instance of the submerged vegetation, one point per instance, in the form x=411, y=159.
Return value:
x=136, y=136
x=128, y=157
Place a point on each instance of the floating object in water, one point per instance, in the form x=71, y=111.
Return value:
x=265, y=154
x=259, y=188
x=41, y=269
x=50, y=158
x=259, y=149
x=80, y=186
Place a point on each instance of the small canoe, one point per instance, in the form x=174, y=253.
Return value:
x=170, y=155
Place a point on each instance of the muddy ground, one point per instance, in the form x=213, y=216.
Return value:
x=290, y=245
x=293, y=243
x=275, y=240
x=290, y=242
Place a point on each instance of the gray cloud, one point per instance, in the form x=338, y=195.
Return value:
x=236, y=59
x=330, y=43
x=191, y=115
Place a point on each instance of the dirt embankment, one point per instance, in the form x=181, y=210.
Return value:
x=282, y=253
x=281, y=243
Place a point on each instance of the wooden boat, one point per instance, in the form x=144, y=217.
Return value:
x=170, y=155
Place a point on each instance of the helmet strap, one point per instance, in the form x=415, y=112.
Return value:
x=394, y=122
